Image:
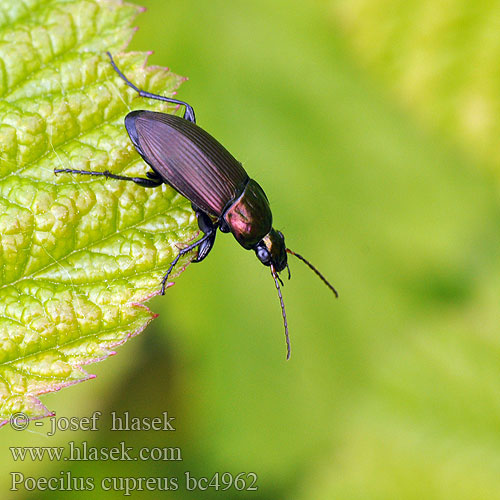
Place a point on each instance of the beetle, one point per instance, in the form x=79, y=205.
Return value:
x=222, y=195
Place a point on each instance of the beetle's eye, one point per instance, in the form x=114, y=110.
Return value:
x=263, y=255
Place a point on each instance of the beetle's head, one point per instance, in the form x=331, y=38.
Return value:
x=271, y=250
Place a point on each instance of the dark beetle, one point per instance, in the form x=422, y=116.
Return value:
x=222, y=195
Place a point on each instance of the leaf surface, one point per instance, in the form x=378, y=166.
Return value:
x=78, y=254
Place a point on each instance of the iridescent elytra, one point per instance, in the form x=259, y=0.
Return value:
x=223, y=196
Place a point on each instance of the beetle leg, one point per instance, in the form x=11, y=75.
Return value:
x=223, y=227
x=209, y=228
x=142, y=181
x=188, y=110
x=151, y=174
x=202, y=242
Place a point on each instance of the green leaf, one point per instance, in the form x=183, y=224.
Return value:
x=78, y=254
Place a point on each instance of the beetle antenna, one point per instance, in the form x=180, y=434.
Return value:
x=325, y=281
x=275, y=276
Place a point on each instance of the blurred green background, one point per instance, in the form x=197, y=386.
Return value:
x=373, y=128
